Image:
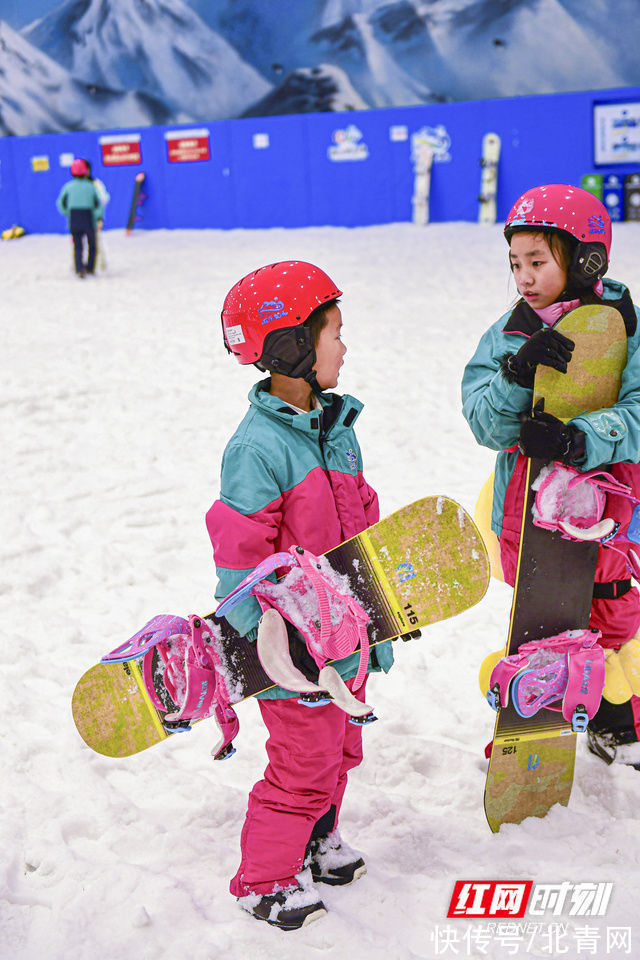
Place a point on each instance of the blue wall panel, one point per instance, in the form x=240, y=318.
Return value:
x=270, y=180
x=346, y=169
x=9, y=196
x=200, y=192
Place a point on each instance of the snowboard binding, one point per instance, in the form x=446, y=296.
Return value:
x=182, y=675
x=331, y=621
x=564, y=673
x=575, y=503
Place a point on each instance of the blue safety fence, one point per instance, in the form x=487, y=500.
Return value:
x=345, y=169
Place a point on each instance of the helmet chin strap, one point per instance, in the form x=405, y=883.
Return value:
x=313, y=383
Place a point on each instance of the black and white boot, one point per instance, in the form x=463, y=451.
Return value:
x=333, y=861
x=288, y=909
x=613, y=748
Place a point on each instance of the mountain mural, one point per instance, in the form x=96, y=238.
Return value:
x=37, y=95
x=94, y=64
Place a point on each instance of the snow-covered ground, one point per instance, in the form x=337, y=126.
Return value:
x=117, y=400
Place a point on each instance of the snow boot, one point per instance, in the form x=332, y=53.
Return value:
x=333, y=861
x=614, y=747
x=612, y=734
x=288, y=909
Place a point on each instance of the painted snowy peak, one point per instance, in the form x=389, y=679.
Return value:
x=408, y=51
x=310, y=90
x=37, y=95
x=160, y=48
x=132, y=62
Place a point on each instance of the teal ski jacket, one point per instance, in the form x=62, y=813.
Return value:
x=493, y=407
x=80, y=194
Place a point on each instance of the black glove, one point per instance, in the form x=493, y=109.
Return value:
x=547, y=347
x=544, y=436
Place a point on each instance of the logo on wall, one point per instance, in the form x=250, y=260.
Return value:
x=437, y=138
x=40, y=164
x=348, y=145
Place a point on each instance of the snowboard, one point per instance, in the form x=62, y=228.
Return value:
x=137, y=200
x=421, y=565
x=632, y=196
x=532, y=760
x=422, y=156
x=489, y=161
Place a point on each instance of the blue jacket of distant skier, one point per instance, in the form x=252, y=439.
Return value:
x=493, y=407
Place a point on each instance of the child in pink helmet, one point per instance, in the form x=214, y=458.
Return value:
x=80, y=203
x=292, y=474
x=559, y=240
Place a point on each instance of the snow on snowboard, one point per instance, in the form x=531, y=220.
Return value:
x=422, y=564
x=532, y=759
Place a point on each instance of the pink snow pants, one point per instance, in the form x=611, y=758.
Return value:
x=310, y=750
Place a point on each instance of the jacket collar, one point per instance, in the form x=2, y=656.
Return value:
x=336, y=411
x=526, y=321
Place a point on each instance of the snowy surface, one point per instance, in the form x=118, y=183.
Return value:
x=117, y=401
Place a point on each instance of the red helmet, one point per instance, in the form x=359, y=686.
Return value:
x=559, y=206
x=79, y=168
x=278, y=297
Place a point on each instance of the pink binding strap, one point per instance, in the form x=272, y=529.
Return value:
x=585, y=682
x=337, y=641
x=193, y=675
x=333, y=624
x=195, y=696
x=565, y=673
x=157, y=630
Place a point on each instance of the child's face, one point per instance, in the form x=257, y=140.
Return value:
x=539, y=277
x=330, y=350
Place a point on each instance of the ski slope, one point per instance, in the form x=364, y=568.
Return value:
x=117, y=399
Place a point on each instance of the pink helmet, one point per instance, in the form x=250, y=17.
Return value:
x=79, y=168
x=559, y=206
x=262, y=312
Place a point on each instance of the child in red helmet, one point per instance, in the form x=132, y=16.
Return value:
x=559, y=240
x=292, y=474
x=80, y=203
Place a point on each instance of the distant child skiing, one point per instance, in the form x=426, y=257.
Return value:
x=559, y=240
x=80, y=203
x=292, y=475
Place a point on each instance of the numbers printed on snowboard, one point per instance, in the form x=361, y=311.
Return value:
x=411, y=617
x=512, y=749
